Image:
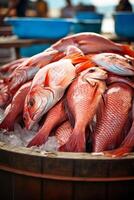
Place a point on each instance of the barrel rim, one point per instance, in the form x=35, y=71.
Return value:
x=59, y=155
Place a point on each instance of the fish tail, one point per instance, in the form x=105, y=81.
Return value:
x=121, y=151
x=76, y=142
x=7, y=123
x=127, y=50
x=39, y=139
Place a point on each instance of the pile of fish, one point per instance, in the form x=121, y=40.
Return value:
x=80, y=90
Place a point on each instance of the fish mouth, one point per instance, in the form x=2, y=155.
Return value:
x=44, y=109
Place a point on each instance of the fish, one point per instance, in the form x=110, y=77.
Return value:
x=127, y=145
x=112, y=78
x=114, y=63
x=27, y=70
x=54, y=117
x=82, y=98
x=20, y=76
x=9, y=67
x=116, y=107
x=63, y=133
x=48, y=87
x=15, y=107
x=89, y=42
x=5, y=95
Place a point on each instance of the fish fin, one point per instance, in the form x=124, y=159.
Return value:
x=128, y=50
x=71, y=49
x=77, y=58
x=76, y=142
x=38, y=140
x=58, y=56
x=121, y=151
x=46, y=82
x=84, y=66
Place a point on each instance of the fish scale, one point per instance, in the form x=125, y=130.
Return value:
x=113, y=118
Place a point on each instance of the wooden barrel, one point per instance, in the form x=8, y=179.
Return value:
x=33, y=175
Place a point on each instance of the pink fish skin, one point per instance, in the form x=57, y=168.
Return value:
x=55, y=117
x=27, y=70
x=63, y=133
x=15, y=108
x=89, y=42
x=115, y=63
x=83, y=98
x=112, y=78
x=48, y=87
x=9, y=67
x=127, y=145
x=5, y=95
x=112, y=120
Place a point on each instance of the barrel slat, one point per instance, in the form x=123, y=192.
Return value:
x=56, y=166
x=28, y=174
x=26, y=188
x=57, y=190
x=121, y=168
x=90, y=191
x=5, y=186
x=91, y=168
x=26, y=163
x=120, y=190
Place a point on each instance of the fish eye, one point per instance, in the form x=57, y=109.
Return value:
x=130, y=62
x=91, y=70
x=31, y=102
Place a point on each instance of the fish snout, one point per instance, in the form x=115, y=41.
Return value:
x=28, y=121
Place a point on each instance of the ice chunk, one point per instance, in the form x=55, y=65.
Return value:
x=1, y=115
x=50, y=145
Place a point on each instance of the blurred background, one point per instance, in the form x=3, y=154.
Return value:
x=106, y=7
x=100, y=16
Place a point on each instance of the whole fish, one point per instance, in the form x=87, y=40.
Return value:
x=15, y=108
x=48, y=87
x=55, y=117
x=117, y=103
x=63, y=133
x=90, y=42
x=114, y=63
x=83, y=97
x=128, y=143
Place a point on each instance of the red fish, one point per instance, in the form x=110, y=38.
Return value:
x=8, y=68
x=5, y=96
x=115, y=113
x=83, y=98
x=54, y=117
x=63, y=133
x=115, y=63
x=15, y=108
x=127, y=145
x=91, y=43
x=47, y=89
x=112, y=78
x=27, y=70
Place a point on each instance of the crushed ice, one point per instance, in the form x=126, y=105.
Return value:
x=21, y=137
